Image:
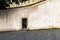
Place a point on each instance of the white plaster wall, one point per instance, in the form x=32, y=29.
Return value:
x=46, y=16
x=42, y=16
x=11, y=19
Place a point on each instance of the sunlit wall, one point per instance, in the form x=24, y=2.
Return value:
x=46, y=16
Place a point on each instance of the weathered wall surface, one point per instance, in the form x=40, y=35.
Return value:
x=11, y=19
x=46, y=16
x=42, y=16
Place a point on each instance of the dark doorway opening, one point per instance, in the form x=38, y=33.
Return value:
x=24, y=23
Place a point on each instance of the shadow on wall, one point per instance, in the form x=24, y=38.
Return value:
x=10, y=20
x=4, y=14
x=4, y=4
x=1, y=5
x=5, y=17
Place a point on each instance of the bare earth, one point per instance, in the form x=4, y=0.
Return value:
x=31, y=35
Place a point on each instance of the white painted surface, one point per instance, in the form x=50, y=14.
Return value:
x=10, y=20
x=42, y=16
x=46, y=16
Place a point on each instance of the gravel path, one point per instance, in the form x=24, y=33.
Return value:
x=31, y=35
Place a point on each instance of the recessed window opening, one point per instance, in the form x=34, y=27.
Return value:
x=24, y=23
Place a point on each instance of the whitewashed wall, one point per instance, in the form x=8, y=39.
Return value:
x=42, y=16
x=46, y=16
x=11, y=19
